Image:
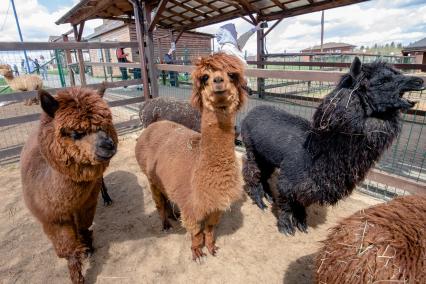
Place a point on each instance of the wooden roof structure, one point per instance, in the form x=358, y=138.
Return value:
x=184, y=15
x=181, y=15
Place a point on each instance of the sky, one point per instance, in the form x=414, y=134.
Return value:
x=376, y=21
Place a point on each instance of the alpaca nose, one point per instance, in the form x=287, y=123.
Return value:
x=107, y=143
x=218, y=79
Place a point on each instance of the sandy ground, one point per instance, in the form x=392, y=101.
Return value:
x=130, y=248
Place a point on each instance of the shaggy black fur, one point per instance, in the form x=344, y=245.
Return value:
x=321, y=162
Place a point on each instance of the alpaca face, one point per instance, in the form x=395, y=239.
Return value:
x=5, y=70
x=82, y=130
x=218, y=83
x=382, y=87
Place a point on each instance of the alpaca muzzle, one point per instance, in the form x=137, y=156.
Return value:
x=105, y=147
x=413, y=84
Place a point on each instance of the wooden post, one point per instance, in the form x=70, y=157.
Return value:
x=322, y=30
x=140, y=36
x=77, y=36
x=152, y=70
x=260, y=54
x=69, y=61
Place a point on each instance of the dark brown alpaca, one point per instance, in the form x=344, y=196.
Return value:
x=382, y=244
x=198, y=172
x=61, y=167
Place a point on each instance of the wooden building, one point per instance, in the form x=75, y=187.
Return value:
x=418, y=50
x=330, y=47
x=190, y=46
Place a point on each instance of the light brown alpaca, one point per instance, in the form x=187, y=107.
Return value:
x=198, y=172
x=61, y=168
x=22, y=83
x=385, y=243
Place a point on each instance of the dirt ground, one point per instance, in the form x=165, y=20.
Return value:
x=130, y=248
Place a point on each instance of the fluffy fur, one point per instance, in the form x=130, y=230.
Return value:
x=22, y=83
x=170, y=109
x=61, y=168
x=384, y=243
x=198, y=172
x=321, y=162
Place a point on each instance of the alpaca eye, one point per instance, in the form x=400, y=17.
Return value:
x=204, y=78
x=233, y=76
x=76, y=135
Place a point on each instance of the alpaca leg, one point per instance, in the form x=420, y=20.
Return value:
x=105, y=196
x=160, y=203
x=172, y=210
x=252, y=178
x=83, y=220
x=209, y=231
x=197, y=237
x=291, y=214
x=265, y=175
x=67, y=245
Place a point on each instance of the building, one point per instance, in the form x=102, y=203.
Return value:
x=418, y=50
x=330, y=47
x=190, y=46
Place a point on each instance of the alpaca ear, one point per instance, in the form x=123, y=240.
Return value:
x=48, y=103
x=355, y=69
x=101, y=90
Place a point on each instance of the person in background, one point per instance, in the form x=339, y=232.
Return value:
x=31, y=65
x=230, y=44
x=36, y=66
x=15, y=70
x=173, y=76
x=23, y=66
x=43, y=67
x=122, y=57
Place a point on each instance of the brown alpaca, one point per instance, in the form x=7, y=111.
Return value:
x=22, y=83
x=382, y=244
x=198, y=172
x=61, y=167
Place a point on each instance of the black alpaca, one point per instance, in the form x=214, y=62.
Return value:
x=321, y=162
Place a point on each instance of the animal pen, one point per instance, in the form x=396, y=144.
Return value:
x=294, y=82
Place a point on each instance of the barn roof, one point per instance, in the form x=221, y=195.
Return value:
x=419, y=45
x=182, y=15
x=330, y=45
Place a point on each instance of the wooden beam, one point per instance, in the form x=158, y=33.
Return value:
x=279, y=4
x=140, y=33
x=8, y=46
x=315, y=7
x=89, y=13
x=152, y=71
x=178, y=36
x=409, y=185
x=160, y=8
x=247, y=20
x=272, y=27
x=69, y=61
x=259, y=57
x=80, y=31
x=80, y=58
x=21, y=96
x=250, y=9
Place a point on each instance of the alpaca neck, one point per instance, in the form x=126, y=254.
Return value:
x=217, y=137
